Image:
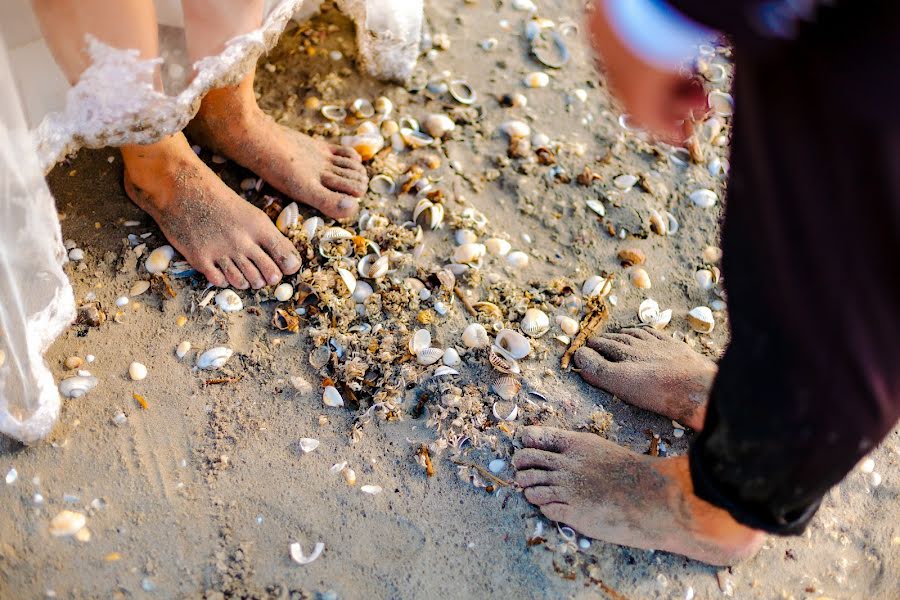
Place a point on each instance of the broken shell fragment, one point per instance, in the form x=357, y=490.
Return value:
x=283, y=292
x=640, y=279
x=704, y=198
x=308, y=444
x=437, y=125
x=701, y=319
x=625, y=182
x=382, y=185
x=362, y=108
x=429, y=356
x=139, y=288
x=348, y=279
x=414, y=138
x=501, y=361
x=301, y=559
x=182, y=349
x=137, y=371
x=475, y=336
x=721, y=103
x=462, y=92
x=649, y=313
x=158, y=260
x=550, y=49
x=288, y=217
x=595, y=285
x=214, y=358
x=705, y=278
x=535, y=323
x=630, y=257
x=229, y=301
x=506, y=386
x=597, y=207
x=349, y=476
x=420, y=340
x=332, y=397
x=370, y=489
x=78, y=386
x=67, y=523
x=505, y=411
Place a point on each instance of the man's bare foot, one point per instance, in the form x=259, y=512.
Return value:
x=650, y=370
x=609, y=493
x=220, y=234
x=327, y=177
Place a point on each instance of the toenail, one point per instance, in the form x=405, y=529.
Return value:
x=291, y=262
x=347, y=204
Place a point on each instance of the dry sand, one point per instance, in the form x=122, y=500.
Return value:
x=201, y=493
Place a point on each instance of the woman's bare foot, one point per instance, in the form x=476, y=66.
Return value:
x=327, y=177
x=219, y=233
x=609, y=493
x=650, y=370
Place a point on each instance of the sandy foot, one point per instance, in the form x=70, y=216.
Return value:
x=650, y=370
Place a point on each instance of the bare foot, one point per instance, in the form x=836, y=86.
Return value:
x=220, y=234
x=313, y=172
x=650, y=370
x=609, y=493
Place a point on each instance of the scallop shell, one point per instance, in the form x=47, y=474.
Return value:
x=419, y=341
x=308, y=444
x=468, y=253
x=348, y=279
x=535, y=323
x=512, y=344
x=78, y=386
x=158, y=260
x=137, y=371
x=475, y=336
x=283, y=292
x=462, y=92
x=311, y=226
x=437, y=125
x=537, y=79
x=332, y=397
x=451, y=357
x=502, y=363
x=334, y=113
x=595, y=285
x=517, y=259
x=429, y=356
x=301, y=559
x=704, y=198
x=229, y=301
x=567, y=325
x=382, y=185
x=182, y=349
x=640, y=279
x=288, y=217
x=507, y=387
x=649, y=313
x=428, y=214
x=372, y=266
x=701, y=319
x=515, y=129
x=625, y=182
x=497, y=246
x=505, y=411
x=721, y=103
x=362, y=108
x=214, y=358
x=367, y=146
x=67, y=523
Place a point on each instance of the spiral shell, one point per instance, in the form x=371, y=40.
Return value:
x=78, y=386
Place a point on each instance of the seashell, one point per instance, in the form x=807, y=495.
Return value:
x=567, y=324
x=672, y=225
x=67, y=523
x=367, y=128
x=705, y=279
x=515, y=129
x=333, y=234
x=122, y=301
x=537, y=79
x=625, y=182
x=158, y=260
x=182, y=349
x=362, y=292
x=372, y=266
x=334, y=113
x=505, y=411
x=384, y=106
x=308, y=444
x=597, y=207
x=214, y=358
x=371, y=489
x=367, y=145
x=488, y=308
x=301, y=559
x=362, y=108
x=517, y=259
x=311, y=226
x=497, y=246
x=137, y=371
x=714, y=72
x=649, y=313
x=229, y=301
x=502, y=363
x=507, y=387
x=468, y=253
x=704, y=198
x=701, y=319
x=475, y=336
x=640, y=279
x=717, y=305
x=428, y=214
x=722, y=104
x=429, y=356
x=443, y=370
x=332, y=397
x=524, y=5
x=437, y=125
x=78, y=386
x=596, y=285
x=419, y=341
x=73, y=362
x=288, y=217
x=630, y=257
x=139, y=288
x=549, y=48
x=382, y=185
x=319, y=357
x=462, y=92
x=284, y=292
x=348, y=279
x=512, y=344
x=658, y=223
x=535, y=323
x=496, y=466
x=712, y=127
x=415, y=139
x=451, y=357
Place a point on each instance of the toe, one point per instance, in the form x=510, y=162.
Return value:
x=545, y=494
x=557, y=511
x=351, y=174
x=624, y=338
x=531, y=458
x=614, y=377
x=232, y=273
x=266, y=266
x=641, y=333
x=252, y=274
x=213, y=275
x=335, y=205
x=531, y=477
x=546, y=438
x=346, y=153
x=282, y=251
x=349, y=163
x=609, y=348
x=338, y=183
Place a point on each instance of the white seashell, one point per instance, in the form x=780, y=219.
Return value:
x=705, y=279
x=383, y=105
x=283, y=292
x=420, y=340
x=288, y=217
x=11, y=476
x=625, y=182
x=382, y=185
x=496, y=466
x=465, y=236
x=475, y=336
x=428, y=214
x=867, y=466
x=334, y=113
x=438, y=125
x=362, y=292
x=121, y=301
x=415, y=139
x=333, y=234
x=597, y=207
x=311, y=226
x=338, y=467
x=721, y=103
x=451, y=357
x=331, y=397
x=497, y=246
x=373, y=266
x=540, y=140
x=348, y=279
x=429, y=356
x=512, y=344
x=517, y=259
x=507, y=387
x=445, y=370
x=137, y=371
x=229, y=301
x=567, y=324
x=704, y=198
x=158, y=260
x=139, y=288
x=649, y=313
x=672, y=225
x=505, y=411
x=371, y=489
x=301, y=559
x=182, y=349
x=658, y=223
x=717, y=305
x=500, y=361
x=515, y=129
x=468, y=253
x=367, y=145
x=78, y=386
x=535, y=323
x=67, y=523
x=76, y=254
x=524, y=5
x=701, y=319
x=362, y=108
x=538, y=79
x=640, y=279
x=214, y=358
x=308, y=444
x=596, y=285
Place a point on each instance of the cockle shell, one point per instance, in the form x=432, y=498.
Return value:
x=372, y=266
x=301, y=559
x=721, y=103
x=451, y=357
x=137, y=371
x=468, y=253
x=701, y=319
x=229, y=301
x=465, y=236
x=512, y=344
x=649, y=313
x=139, y=288
x=332, y=397
x=438, y=125
x=308, y=444
x=67, y=523
x=288, y=217
x=182, y=349
x=704, y=198
x=78, y=386
x=429, y=356
x=640, y=279
x=362, y=292
x=537, y=79
x=497, y=246
x=500, y=361
x=428, y=214
x=362, y=108
x=214, y=358
x=367, y=145
x=382, y=185
x=515, y=129
x=505, y=411
x=567, y=324
x=311, y=226
x=517, y=259
x=158, y=260
x=419, y=341
x=333, y=234
x=348, y=279
x=475, y=336
x=283, y=292
x=507, y=387
x=705, y=278
x=625, y=182
x=535, y=323
x=334, y=113
x=595, y=285
x=445, y=370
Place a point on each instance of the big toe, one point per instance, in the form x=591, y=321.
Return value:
x=546, y=438
x=546, y=494
x=335, y=205
x=614, y=377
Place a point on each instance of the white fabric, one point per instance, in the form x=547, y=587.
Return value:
x=113, y=103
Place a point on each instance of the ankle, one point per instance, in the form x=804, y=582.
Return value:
x=231, y=104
